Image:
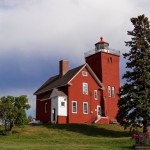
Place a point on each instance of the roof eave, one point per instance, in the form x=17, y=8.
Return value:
x=51, y=89
x=96, y=78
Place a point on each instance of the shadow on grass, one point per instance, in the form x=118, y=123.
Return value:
x=5, y=133
x=90, y=130
x=127, y=147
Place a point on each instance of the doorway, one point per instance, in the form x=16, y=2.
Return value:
x=99, y=111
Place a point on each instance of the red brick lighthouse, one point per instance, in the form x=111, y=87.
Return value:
x=105, y=64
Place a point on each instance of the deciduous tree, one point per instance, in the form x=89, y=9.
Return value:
x=12, y=110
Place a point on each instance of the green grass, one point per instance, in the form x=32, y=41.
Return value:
x=67, y=137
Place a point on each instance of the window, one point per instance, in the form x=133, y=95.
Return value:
x=109, y=91
x=95, y=94
x=85, y=107
x=84, y=73
x=45, y=107
x=113, y=91
x=85, y=88
x=74, y=107
x=62, y=103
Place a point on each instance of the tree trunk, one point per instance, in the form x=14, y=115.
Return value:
x=5, y=125
x=11, y=125
x=145, y=128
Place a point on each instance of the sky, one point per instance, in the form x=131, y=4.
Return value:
x=36, y=34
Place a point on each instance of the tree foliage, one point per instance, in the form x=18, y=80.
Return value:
x=12, y=110
x=134, y=103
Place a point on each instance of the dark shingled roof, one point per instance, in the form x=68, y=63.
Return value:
x=58, y=81
x=59, y=93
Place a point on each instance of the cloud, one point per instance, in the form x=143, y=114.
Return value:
x=55, y=26
x=36, y=34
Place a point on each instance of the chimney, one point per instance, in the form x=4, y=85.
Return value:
x=63, y=67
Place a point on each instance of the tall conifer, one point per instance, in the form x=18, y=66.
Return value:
x=134, y=103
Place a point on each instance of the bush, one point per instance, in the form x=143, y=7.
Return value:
x=3, y=132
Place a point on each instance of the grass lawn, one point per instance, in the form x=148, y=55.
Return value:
x=70, y=137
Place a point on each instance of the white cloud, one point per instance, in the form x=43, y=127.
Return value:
x=63, y=26
x=38, y=31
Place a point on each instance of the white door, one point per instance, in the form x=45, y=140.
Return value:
x=99, y=111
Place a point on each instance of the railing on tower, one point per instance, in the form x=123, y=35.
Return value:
x=94, y=51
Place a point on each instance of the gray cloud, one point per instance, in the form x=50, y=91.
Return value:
x=36, y=34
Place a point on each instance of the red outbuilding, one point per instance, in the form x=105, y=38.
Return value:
x=85, y=94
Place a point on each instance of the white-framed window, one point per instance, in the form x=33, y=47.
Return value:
x=85, y=107
x=74, y=106
x=45, y=108
x=84, y=73
x=113, y=91
x=95, y=94
x=109, y=91
x=62, y=104
x=85, y=88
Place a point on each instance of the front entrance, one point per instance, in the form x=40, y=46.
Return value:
x=99, y=111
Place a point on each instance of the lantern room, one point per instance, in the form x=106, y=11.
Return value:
x=102, y=45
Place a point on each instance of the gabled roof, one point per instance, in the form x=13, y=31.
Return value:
x=60, y=81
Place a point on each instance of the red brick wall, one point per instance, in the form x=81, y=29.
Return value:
x=76, y=94
x=63, y=67
x=61, y=119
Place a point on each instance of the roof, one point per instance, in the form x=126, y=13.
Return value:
x=101, y=41
x=60, y=81
x=58, y=92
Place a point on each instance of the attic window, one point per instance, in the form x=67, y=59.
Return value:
x=84, y=73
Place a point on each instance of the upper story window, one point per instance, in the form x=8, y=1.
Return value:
x=113, y=91
x=85, y=88
x=74, y=106
x=109, y=91
x=95, y=94
x=85, y=107
x=84, y=73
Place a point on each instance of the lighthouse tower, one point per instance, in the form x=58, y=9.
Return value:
x=105, y=63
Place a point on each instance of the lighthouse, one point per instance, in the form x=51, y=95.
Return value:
x=105, y=62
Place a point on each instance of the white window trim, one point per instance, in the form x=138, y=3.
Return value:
x=95, y=94
x=76, y=107
x=84, y=73
x=109, y=91
x=45, y=107
x=83, y=85
x=87, y=108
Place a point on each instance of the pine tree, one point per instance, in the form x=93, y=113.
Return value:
x=134, y=103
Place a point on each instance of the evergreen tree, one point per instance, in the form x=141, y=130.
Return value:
x=134, y=103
